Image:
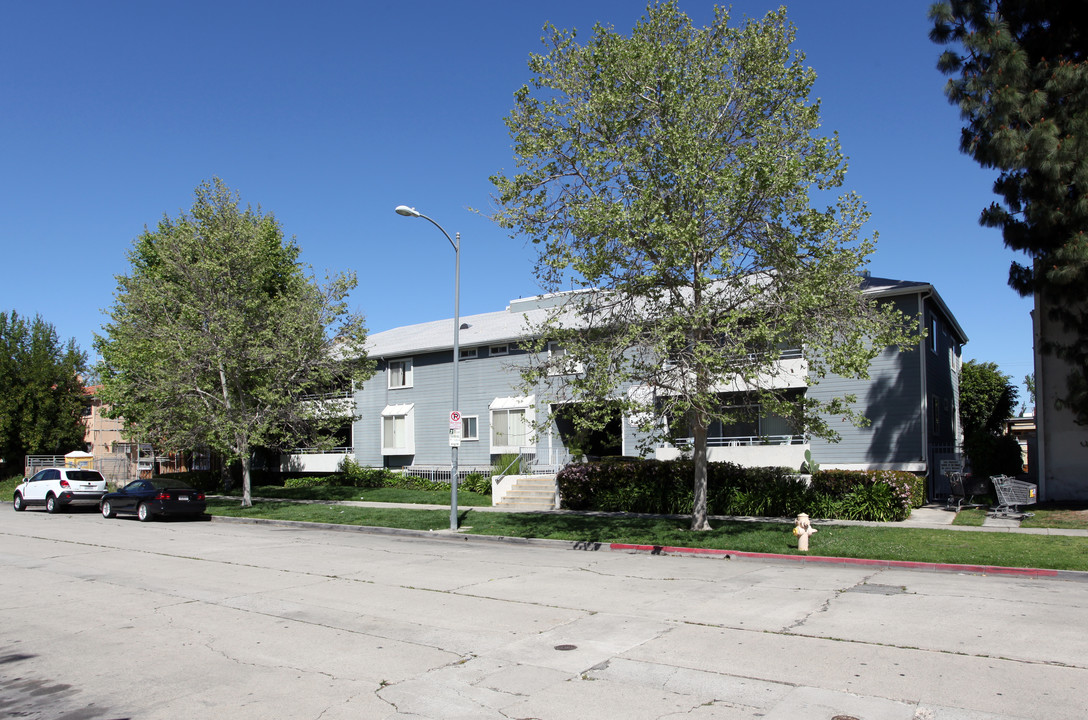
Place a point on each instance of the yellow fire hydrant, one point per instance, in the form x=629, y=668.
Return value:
x=802, y=530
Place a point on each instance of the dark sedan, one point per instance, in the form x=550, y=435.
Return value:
x=149, y=499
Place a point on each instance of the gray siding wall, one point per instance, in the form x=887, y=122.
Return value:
x=482, y=379
x=942, y=379
x=892, y=400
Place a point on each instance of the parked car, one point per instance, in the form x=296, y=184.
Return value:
x=149, y=499
x=57, y=487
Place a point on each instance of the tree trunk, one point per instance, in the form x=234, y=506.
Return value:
x=247, y=499
x=698, y=511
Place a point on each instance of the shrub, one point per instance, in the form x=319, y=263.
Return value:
x=305, y=482
x=508, y=464
x=994, y=455
x=477, y=483
x=352, y=474
x=665, y=487
x=203, y=480
x=903, y=491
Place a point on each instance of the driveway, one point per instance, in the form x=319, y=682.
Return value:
x=118, y=619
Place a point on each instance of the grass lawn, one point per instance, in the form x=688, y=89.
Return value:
x=1054, y=515
x=1044, y=515
x=973, y=517
x=881, y=543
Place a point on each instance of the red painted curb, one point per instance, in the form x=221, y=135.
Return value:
x=909, y=564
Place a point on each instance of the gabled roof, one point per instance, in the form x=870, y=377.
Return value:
x=510, y=325
x=885, y=287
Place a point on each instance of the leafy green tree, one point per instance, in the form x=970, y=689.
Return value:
x=1029, y=383
x=218, y=336
x=1019, y=75
x=987, y=397
x=670, y=170
x=41, y=395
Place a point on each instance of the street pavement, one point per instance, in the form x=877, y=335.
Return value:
x=120, y=619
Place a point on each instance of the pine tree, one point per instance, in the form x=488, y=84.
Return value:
x=1019, y=74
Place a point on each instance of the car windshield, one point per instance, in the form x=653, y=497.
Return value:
x=85, y=475
x=171, y=485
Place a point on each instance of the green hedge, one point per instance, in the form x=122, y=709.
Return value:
x=665, y=487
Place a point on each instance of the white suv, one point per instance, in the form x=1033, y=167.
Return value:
x=58, y=487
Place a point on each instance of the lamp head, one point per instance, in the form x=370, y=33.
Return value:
x=406, y=211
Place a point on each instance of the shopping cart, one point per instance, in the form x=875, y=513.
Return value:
x=1011, y=494
x=962, y=490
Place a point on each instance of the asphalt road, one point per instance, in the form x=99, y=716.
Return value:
x=119, y=619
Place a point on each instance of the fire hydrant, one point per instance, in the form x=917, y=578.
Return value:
x=802, y=530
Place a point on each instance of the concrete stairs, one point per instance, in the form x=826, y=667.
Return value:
x=536, y=492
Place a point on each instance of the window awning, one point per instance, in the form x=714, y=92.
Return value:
x=507, y=403
x=393, y=410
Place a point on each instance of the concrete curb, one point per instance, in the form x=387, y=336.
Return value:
x=584, y=546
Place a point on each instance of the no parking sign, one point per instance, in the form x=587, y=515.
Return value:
x=455, y=429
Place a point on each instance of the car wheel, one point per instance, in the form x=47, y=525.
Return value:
x=17, y=503
x=144, y=512
x=107, y=510
x=51, y=505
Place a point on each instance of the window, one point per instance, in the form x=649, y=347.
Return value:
x=931, y=339
x=499, y=350
x=512, y=421
x=398, y=431
x=400, y=373
x=470, y=427
x=508, y=427
x=560, y=363
x=469, y=353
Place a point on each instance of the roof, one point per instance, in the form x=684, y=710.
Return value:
x=511, y=325
x=885, y=287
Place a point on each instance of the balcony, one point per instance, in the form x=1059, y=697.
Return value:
x=746, y=450
x=306, y=460
x=338, y=403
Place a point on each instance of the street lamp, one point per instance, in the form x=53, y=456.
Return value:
x=412, y=212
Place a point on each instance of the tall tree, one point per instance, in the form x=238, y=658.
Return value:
x=41, y=395
x=1019, y=75
x=670, y=170
x=218, y=335
x=987, y=398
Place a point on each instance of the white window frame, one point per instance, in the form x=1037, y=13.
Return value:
x=407, y=373
x=505, y=405
x=496, y=350
x=464, y=427
x=555, y=350
x=399, y=411
x=469, y=353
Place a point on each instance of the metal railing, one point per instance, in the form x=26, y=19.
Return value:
x=320, y=451
x=334, y=395
x=743, y=440
x=442, y=474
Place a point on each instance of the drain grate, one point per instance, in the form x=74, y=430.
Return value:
x=873, y=589
x=566, y=647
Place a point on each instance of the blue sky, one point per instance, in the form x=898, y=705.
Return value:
x=330, y=114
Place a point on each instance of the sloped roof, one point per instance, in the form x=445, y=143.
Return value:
x=510, y=325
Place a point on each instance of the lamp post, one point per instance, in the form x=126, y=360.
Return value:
x=412, y=212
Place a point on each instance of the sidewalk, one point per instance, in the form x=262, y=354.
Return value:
x=930, y=517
